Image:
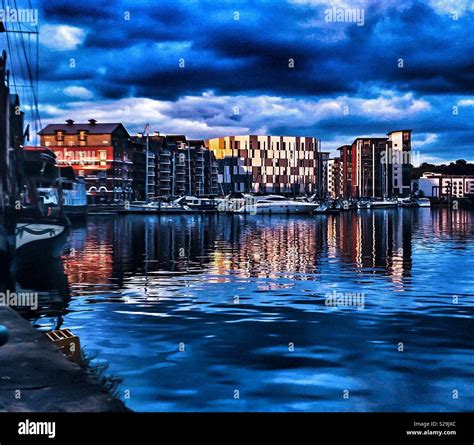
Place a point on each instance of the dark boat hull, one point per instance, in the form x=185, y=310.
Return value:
x=75, y=212
x=33, y=241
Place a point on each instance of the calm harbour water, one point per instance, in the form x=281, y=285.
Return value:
x=187, y=310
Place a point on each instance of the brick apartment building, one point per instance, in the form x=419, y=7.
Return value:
x=375, y=167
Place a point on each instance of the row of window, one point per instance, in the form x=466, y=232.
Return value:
x=260, y=145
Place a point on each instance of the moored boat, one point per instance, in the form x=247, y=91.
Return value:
x=363, y=204
x=383, y=203
x=327, y=207
x=157, y=207
x=423, y=202
x=74, y=194
x=37, y=225
x=273, y=205
x=197, y=203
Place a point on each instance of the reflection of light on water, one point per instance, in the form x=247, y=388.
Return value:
x=288, y=246
x=237, y=292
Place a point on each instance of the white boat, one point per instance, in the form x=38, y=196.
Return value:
x=407, y=203
x=273, y=204
x=423, y=202
x=363, y=204
x=198, y=204
x=383, y=203
x=155, y=207
x=74, y=194
x=328, y=207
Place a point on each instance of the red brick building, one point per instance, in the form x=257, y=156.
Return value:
x=100, y=152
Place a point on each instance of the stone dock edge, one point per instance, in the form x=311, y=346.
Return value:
x=35, y=376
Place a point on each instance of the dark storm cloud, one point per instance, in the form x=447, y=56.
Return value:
x=134, y=49
x=263, y=40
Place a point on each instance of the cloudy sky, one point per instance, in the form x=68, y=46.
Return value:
x=214, y=68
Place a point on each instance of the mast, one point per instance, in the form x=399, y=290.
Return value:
x=373, y=170
x=4, y=133
x=189, y=170
x=24, y=71
x=147, y=132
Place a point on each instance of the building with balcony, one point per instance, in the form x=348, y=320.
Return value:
x=375, y=167
x=368, y=173
x=177, y=166
x=345, y=160
x=334, y=178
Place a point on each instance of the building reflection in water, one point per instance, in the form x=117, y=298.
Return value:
x=370, y=242
x=139, y=285
x=108, y=250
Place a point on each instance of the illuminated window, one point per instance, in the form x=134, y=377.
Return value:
x=60, y=136
x=103, y=158
x=82, y=137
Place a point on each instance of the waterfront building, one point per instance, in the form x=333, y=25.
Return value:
x=154, y=144
x=369, y=177
x=439, y=185
x=323, y=174
x=398, y=157
x=345, y=159
x=114, y=164
x=177, y=166
x=376, y=167
x=334, y=178
x=269, y=164
x=100, y=152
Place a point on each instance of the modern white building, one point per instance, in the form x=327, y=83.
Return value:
x=438, y=185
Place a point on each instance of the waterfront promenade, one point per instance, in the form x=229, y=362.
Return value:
x=37, y=377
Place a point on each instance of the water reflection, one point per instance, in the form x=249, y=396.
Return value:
x=188, y=309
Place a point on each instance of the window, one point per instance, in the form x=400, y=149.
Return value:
x=82, y=137
x=103, y=158
x=60, y=136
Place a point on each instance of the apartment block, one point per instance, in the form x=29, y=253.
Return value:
x=374, y=167
x=268, y=164
x=334, y=178
x=345, y=159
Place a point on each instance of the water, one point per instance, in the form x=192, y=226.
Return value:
x=228, y=313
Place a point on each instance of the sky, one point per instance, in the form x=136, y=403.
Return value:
x=334, y=70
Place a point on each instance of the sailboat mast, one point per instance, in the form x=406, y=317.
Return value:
x=147, y=132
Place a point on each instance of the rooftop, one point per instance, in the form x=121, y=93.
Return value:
x=92, y=127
